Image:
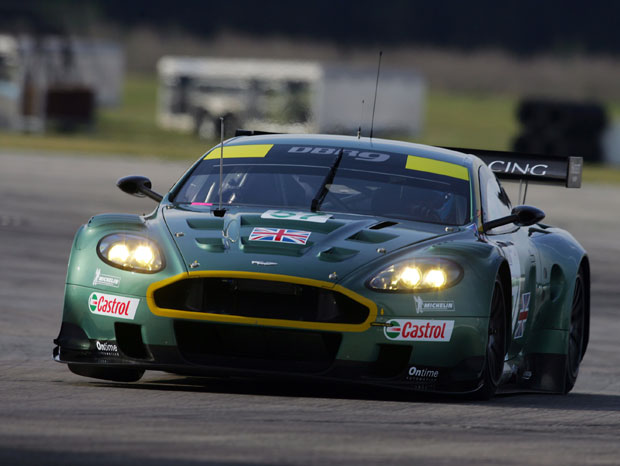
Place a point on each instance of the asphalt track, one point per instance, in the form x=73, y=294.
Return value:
x=50, y=416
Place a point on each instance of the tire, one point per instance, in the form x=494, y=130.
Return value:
x=496, y=345
x=121, y=374
x=574, y=352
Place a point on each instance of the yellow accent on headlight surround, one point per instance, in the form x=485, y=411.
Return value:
x=130, y=252
x=417, y=275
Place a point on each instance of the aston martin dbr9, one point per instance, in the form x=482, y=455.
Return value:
x=333, y=257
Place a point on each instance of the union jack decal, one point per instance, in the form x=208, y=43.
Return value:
x=279, y=235
x=523, y=313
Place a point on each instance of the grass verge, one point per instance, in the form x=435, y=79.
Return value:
x=454, y=119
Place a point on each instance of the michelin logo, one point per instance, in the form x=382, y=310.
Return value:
x=422, y=306
x=106, y=280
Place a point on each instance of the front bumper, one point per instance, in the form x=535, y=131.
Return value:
x=201, y=347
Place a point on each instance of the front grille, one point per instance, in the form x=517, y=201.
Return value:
x=259, y=348
x=264, y=299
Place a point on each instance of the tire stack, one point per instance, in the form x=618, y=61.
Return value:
x=556, y=128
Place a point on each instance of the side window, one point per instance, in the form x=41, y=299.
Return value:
x=495, y=201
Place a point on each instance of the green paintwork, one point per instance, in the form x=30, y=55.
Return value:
x=352, y=254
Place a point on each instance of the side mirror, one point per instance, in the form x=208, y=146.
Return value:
x=522, y=215
x=138, y=186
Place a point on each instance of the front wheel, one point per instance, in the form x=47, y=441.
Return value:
x=496, y=345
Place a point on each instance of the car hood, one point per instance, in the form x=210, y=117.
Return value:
x=338, y=245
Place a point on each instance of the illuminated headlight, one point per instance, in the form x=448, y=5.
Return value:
x=130, y=252
x=430, y=274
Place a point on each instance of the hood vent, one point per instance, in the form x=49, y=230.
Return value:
x=211, y=244
x=337, y=254
x=370, y=236
x=206, y=223
x=380, y=225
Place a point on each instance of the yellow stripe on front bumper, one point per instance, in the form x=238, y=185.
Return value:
x=178, y=314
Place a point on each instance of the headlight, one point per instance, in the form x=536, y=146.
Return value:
x=130, y=252
x=427, y=274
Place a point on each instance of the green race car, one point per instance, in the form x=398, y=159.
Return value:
x=334, y=257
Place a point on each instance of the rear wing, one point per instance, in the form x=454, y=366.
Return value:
x=527, y=167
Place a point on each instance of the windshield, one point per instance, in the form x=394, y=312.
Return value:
x=411, y=194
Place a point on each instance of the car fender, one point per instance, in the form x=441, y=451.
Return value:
x=561, y=257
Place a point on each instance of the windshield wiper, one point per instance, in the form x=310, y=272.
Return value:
x=322, y=192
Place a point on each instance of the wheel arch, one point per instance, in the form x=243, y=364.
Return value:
x=488, y=384
x=562, y=257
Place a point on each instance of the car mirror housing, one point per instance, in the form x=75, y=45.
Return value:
x=522, y=215
x=527, y=215
x=140, y=186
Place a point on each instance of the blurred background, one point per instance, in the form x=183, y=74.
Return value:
x=152, y=78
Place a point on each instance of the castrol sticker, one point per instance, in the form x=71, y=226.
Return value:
x=113, y=305
x=419, y=330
